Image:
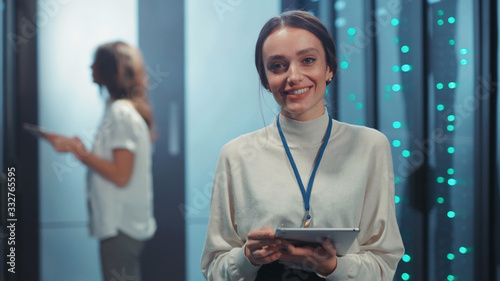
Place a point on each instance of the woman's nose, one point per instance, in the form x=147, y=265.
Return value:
x=294, y=74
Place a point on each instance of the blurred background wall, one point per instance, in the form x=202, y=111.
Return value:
x=425, y=73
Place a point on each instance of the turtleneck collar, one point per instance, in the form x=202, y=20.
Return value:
x=308, y=133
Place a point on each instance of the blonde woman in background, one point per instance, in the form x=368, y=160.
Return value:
x=119, y=182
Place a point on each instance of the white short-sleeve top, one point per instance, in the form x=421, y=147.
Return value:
x=128, y=208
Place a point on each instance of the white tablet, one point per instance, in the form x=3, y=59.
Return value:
x=342, y=238
x=35, y=130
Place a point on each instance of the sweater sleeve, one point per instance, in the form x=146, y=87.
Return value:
x=223, y=256
x=380, y=242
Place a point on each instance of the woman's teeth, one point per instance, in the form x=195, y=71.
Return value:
x=298, y=92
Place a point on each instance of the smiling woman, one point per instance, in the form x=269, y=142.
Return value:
x=297, y=72
x=350, y=168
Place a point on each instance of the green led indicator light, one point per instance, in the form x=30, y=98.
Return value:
x=451, y=150
x=406, y=258
x=395, y=21
x=397, y=199
x=396, y=143
x=440, y=22
x=451, y=20
x=395, y=68
x=397, y=180
x=405, y=67
x=440, y=107
x=344, y=65
x=450, y=277
x=351, y=31
x=352, y=97
x=440, y=200
x=451, y=214
x=387, y=88
x=462, y=250
x=405, y=276
x=451, y=118
x=452, y=85
x=387, y=96
x=463, y=51
x=440, y=12
x=405, y=153
x=439, y=86
x=405, y=49
x=452, y=182
x=450, y=256
x=440, y=179
x=395, y=40
x=450, y=128
x=351, y=39
x=359, y=105
x=451, y=42
x=396, y=124
x=463, y=62
x=396, y=87
x=451, y=171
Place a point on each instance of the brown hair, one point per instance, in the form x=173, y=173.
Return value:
x=120, y=67
x=297, y=19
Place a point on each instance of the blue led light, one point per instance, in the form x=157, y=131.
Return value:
x=396, y=124
x=396, y=143
x=351, y=31
x=405, y=153
x=395, y=21
x=451, y=20
x=405, y=67
x=406, y=258
x=440, y=107
x=405, y=49
x=396, y=87
x=344, y=65
x=451, y=214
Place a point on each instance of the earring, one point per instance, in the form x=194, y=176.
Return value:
x=329, y=80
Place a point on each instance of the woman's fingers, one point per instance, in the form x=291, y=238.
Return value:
x=262, y=247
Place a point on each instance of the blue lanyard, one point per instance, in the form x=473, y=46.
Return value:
x=306, y=195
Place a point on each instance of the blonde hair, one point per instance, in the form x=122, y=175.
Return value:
x=120, y=67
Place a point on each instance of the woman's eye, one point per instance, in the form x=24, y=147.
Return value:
x=275, y=66
x=309, y=60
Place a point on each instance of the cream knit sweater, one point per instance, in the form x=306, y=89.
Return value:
x=255, y=186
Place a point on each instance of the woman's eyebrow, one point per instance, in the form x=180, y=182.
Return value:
x=308, y=50
x=301, y=52
x=275, y=57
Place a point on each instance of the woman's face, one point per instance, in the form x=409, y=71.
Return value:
x=95, y=75
x=296, y=70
